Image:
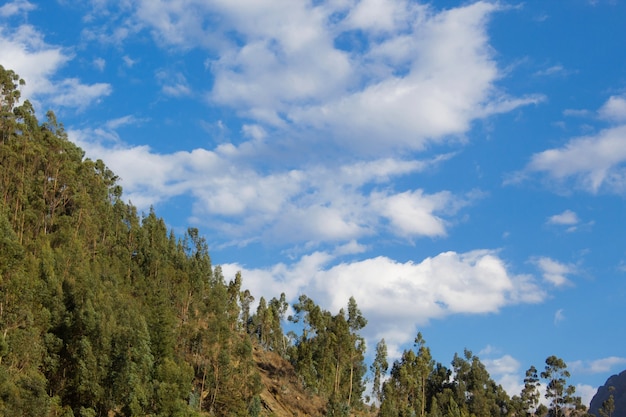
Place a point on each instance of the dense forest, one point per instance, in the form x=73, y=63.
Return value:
x=104, y=312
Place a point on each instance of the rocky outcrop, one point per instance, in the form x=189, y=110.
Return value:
x=618, y=382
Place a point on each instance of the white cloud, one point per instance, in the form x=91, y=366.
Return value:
x=554, y=272
x=598, y=366
x=449, y=81
x=419, y=74
x=591, y=162
x=503, y=365
x=16, y=7
x=173, y=84
x=383, y=16
x=412, y=213
x=614, y=109
x=72, y=93
x=475, y=282
x=313, y=204
x=128, y=61
x=25, y=51
x=567, y=218
x=576, y=112
x=99, y=63
x=254, y=131
x=505, y=371
x=559, y=316
x=350, y=248
x=586, y=393
x=553, y=70
x=123, y=121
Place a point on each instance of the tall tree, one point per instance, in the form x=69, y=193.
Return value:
x=406, y=392
x=9, y=98
x=558, y=392
x=530, y=393
x=379, y=368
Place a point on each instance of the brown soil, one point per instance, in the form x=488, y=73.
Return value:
x=283, y=394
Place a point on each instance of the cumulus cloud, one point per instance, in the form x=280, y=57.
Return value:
x=16, y=7
x=318, y=203
x=397, y=296
x=173, y=84
x=25, y=51
x=567, y=218
x=448, y=82
x=598, y=366
x=372, y=75
x=411, y=213
x=503, y=365
x=614, y=109
x=553, y=271
x=591, y=163
x=505, y=371
x=586, y=393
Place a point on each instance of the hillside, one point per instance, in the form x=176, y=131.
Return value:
x=104, y=312
x=614, y=386
x=282, y=394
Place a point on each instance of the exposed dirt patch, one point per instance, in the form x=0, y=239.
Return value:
x=283, y=394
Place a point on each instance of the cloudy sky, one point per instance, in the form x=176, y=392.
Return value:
x=457, y=167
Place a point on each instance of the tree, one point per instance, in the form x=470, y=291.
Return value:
x=425, y=366
x=329, y=353
x=530, y=393
x=9, y=97
x=379, y=369
x=560, y=395
x=608, y=405
x=277, y=309
x=407, y=391
x=356, y=322
x=101, y=313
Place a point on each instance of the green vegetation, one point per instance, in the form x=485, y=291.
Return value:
x=104, y=312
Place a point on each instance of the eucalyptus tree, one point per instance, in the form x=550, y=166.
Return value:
x=530, y=394
x=379, y=368
x=559, y=394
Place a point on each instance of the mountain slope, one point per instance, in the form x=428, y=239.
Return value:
x=618, y=382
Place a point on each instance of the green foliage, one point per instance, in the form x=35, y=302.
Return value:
x=379, y=369
x=608, y=405
x=329, y=354
x=419, y=387
x=406, y=391
x=558, y=392
x=530, y=393
x=267, y=324
x=103, y=311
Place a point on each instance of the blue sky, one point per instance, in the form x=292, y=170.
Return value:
x=457, y=167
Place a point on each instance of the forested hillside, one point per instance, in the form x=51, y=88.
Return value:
x=104, y=312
